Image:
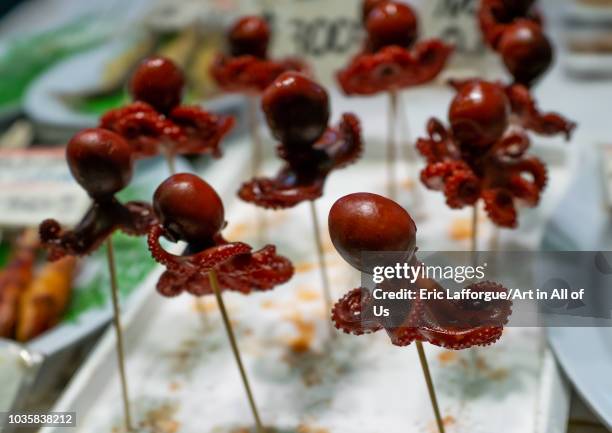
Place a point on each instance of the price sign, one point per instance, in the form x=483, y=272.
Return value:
x=36, y=184
x=324, y=32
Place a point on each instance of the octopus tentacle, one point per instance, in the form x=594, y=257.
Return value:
x=202, y=131
x=499, y=205
x=142, y=217
x=100, y=221
x=461, y=188
x=343, y=144
x=461, y=324
x=529, y=189
x=272, y=193
x=303, y=176
x=171, y=284
x=439, y=146
x=393, y=68
x=249, y=73
x=347, y=314
x=513, y=145
x=202, y=261
x=434, y=176
x=525, y=108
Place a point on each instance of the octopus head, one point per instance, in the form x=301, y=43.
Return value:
x=249, y=36
x=189, y=209
x=526, y=51
x=479, y=114
x=100, y=161
x=296, y=109
x=158, y=81
x=391, y=23
x=363, y=222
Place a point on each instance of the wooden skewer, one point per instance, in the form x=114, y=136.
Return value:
x=170, y=161
x=119, y=333
x=430, y=386
x=494, y=241
x=214, y=283
x=322, y=263
x=256, y=145
x=474, y=238
x=256, y=160
x=407, y=145
x=391, y=147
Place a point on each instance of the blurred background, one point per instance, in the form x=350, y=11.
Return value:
x=65, y=62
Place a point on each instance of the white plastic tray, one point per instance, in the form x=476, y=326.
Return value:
x=183, y=379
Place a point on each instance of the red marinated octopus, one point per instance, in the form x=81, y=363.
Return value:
x=480, y=156
x=101, y=162
x=190, y=210
x=525, y=112
x=156, y=122
x=368, y=222
x=247, y=68
x=392, y=59
x=514, y=30
x=297, y=112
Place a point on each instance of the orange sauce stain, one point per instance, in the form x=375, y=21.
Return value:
x=447, y=357
x=407, y=184
x=446, y=421
x=307, y=294
x=301, y=342
x=304, y=267
x=268, y=304
x=460, y=229
x=239, y=230
x=205, y=305
x=304, y=428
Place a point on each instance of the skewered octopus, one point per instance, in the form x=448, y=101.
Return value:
x=480, y=157
x=247, y=67
x=368, y=222
x=514, y=30
x=190, y=210
x=297, y=111
x=392, y=59
x=101, y=162
x=525, y=112
x=156, y=122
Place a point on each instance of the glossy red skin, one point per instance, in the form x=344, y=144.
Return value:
x=296, y=109
x=367, y=7
x=189, y=209
x=158, y=82
x=100, y=161
x=526, y=51
x=479, y=114
x=249, y=36
x=369, y=222
x=391, y=23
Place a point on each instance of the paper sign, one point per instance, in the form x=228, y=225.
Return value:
x=36, y=184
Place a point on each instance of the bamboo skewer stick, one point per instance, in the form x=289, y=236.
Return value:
x=256, y=144
x=408, y=145
x=214, y=283
x=430, y=386
x=256, y=160
x=170, y=162
x=119, y=334
x=474, y=237
x=322, y=262
x=391, y=147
